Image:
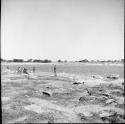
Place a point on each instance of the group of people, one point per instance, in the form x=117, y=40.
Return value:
x=24, y=70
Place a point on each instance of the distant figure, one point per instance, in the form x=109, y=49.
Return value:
x=25, y=71
x=8, y=67
x=34, y=69
x=18, y=69
x=55, y=70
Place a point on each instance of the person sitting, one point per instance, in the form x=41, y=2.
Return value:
x=25, y=71
x=18, y=69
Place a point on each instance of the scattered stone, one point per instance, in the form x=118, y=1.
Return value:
x=122, y=116
x=68, y=100
x=82, y=116
x=101, y=90
x=97, y=77
x=111, y=117
x=113, y=76
x=117, y=92
x=46, y=93
x=109, y=101
x=26, y=96
x=84, y=99
x=77, y=83
x=18, y=120
x=100, y=100
x=105, y=113
x=105, y=94
x=85, y=115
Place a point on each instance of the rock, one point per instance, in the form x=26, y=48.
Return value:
x=48, y=87
x=121, y=116
x=109, y=101
x=97, y=77
x=111, y=117
x=105, y=94
x=113, y=76
x=77, y=83
x=85, y=115
x=84, y=99
x=26, y=96
x=82, y=116
x=117, y=93
x=101, y=90
x=100, y=100
x=46, y=93
x=105, y=114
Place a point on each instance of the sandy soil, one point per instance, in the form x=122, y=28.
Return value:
x=43, y=98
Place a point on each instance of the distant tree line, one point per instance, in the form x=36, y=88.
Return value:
x=61, y=61
x=100, y=61
x=42, y=61
x=85, y=60
x=29, y=60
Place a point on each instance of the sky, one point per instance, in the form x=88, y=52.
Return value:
x=62, y=29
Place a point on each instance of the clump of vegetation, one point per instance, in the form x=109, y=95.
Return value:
x=42, y=61
x=29, y=60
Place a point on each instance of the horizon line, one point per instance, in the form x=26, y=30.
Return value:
x=63, y=59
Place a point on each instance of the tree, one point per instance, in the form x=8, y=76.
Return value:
x=42, y=61
x=18, y=60
x=37, y=60
x=85, y=60
x=1, y=60
x=109, y=61
x=122, y=60
x=47, y=61
x=59, y=61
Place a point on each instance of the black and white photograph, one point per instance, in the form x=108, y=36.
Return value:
x=62, y=61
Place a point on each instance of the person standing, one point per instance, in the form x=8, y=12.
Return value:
x=8, y=67
x=55, y=70
x=34, y=69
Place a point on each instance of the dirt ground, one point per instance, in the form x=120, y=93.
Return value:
x=41, y=98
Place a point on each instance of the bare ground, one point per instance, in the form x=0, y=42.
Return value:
x=47, y=99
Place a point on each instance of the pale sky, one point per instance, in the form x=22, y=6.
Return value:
x=62, y=29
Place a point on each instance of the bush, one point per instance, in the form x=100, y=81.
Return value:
x=18, y=60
